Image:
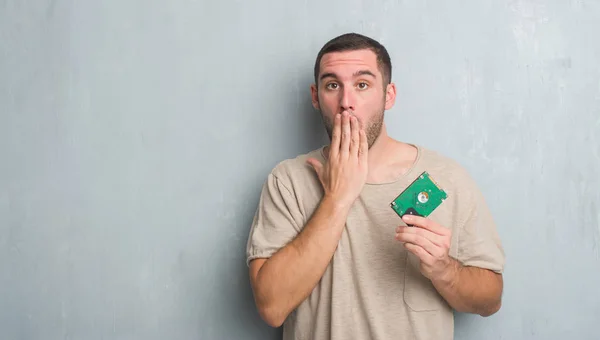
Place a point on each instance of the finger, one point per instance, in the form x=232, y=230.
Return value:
x=355, y=139
x=364, y=146
x=345, y=146
x=434, y=238
x=420, y=241
x=316, y=164
x=423, y=255
x=335, y=136
x=425, y=223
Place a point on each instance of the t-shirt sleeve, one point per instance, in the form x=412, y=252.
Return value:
x=276, y=222
x=479, y=244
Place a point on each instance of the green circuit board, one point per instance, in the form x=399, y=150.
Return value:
x=420, y=198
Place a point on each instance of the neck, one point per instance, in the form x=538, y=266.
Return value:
x=379, y=154
x=389, y=159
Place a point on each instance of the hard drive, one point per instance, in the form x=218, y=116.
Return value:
x=420, y=198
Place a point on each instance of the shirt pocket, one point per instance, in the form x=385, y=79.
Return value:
x=419, y=293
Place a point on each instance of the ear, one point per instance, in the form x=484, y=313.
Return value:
x=390, y=96
x=315, y=96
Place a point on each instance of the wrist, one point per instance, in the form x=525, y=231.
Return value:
x=335, y=205
x=450, y=276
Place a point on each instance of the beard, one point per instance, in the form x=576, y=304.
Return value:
x=372, y=127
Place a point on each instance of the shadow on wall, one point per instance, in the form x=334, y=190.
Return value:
x=312, y=132
x=299, y=126
x=304, y=131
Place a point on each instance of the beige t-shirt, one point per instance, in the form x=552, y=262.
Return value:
x=372, y=288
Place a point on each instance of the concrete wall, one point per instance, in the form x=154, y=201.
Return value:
x=135, y=137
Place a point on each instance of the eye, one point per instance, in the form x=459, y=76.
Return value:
x=332, y=86
x=362, y=85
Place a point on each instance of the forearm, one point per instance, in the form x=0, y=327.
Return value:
x=471, y=289
x=288, y=277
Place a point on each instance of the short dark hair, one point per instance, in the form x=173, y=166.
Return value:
x=353, y=42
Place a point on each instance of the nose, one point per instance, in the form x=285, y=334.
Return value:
x=347, y=100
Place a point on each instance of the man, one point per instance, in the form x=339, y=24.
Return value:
x=328, y=257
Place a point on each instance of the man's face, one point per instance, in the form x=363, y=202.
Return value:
x=351, y=81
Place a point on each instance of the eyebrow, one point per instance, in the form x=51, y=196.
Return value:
x=356, y=74
x=364, y=73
